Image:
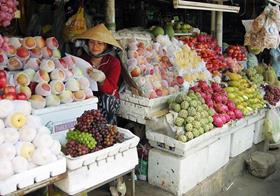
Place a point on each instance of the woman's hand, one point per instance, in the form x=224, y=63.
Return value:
x=96, y=75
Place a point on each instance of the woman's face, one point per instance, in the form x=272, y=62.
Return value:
x=96, y=47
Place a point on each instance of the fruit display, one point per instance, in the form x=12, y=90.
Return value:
x=24, y=142
x=236, y=52
x=8, y=91
x=163, y=67
x=244, y=94
x=167, y=30
x=207, y=48
x=91, y=133
x=7, y=12
x=252, y=75
x=181, y=27
x=272, y=94
x=216, y=98
x=194, y=117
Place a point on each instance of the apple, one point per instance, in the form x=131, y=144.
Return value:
x=32, y=86
x=10, y=89
x=10, y=96
x=180, y=80
x=3, y=82
x=135, y=71
x=21, y=96
x=24, y=89
x=3, y=74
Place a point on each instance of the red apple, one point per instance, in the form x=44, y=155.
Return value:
x=180, y=80
x=21, y=96
x=10, y=96
x=3, y=74
x=3, y=82
x=10, y=89
x=32, y=86
x=135, y=72
x=159, y=92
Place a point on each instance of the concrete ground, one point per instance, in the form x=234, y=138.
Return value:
x=242, y=184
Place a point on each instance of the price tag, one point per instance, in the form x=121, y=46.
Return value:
x=17, y=14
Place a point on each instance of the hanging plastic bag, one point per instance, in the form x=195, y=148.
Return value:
x=75, y=25
x=272, y=125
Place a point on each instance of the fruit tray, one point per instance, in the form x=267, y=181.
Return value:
x=131, y=141
x=32, y=176
x=138, y=109
x=174, y=146
x=93, y=169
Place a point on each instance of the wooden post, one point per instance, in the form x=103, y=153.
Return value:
x=213, y=23
x=220, y=27
x=110, y=15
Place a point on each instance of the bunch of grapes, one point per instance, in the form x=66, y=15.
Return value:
x=74, y=148
x=272, y=94
x=82, y=138
x=110, y=138
x=7, y=11
x=4, y=43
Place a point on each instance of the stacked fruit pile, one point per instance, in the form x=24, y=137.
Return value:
x=215, y=97
x=24, y=142
x=236, y=52
x=7, y=91
x=207, y=47
x=272, y=94
x=252, y=75
x=91, y=134
x=245, y=95
x=193, y=116
x=7, y=12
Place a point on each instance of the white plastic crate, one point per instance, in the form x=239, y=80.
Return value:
x=171, y=145
x=63, y=117
x=180, y=174
x=92, y=169
x=138, y=109
x=258, y=134
x=32, y=176
x=241, y=140
x=255, y=117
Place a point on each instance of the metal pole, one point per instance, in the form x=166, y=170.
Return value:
x=220, y=26
x=213, y=23
x=110, y=15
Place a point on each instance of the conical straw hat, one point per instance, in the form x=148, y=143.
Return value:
x=99, y=33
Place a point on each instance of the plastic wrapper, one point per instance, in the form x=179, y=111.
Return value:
x=272, y=125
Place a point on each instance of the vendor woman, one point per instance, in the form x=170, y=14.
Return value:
x=106, y=69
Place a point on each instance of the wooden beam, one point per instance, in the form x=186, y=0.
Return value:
x=205, y=6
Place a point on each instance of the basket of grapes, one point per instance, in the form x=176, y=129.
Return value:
x=96, y=152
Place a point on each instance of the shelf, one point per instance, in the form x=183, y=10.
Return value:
x=205, y=6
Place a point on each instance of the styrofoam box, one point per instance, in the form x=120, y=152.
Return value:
x=171, y=145
x=258, y=134
x=138, y=109
x=32, y=176
x=63, y=117
x=93, y=169
x=241, y=140
x=180, y=174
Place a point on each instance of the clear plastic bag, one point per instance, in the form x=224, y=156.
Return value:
x=272, y=125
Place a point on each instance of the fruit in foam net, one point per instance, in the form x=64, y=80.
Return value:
x=25, y=149
x=7, y=151
x=12, y=51
x=11, y=135
x=41, y=76
x=36, y=53
x=66, y=96
x=84, y=83
x=6, y=108
x=32, y=63
x=15, y=42
x=56, y=147
x=56, y=54
x=14, y=64
x=47, y=52
x=37, y=101
x=6, y=169
x=40, y=42
x=27, y=134
x=20, y=164
x=52, y=100
x=57, y=87
x=43, y=156
x=43, y=88
x=24, y=89
x=29, y=43
x=16, y=120
x=22, y=79
x=79, y=95
x=43, y=141
x=52, y=43
x=23, y=53
x=77, y=72
x=47, y=65
x=72, y=84
x=34, y=122
x=58, y=74
x=3, y=59
x=88, y=93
